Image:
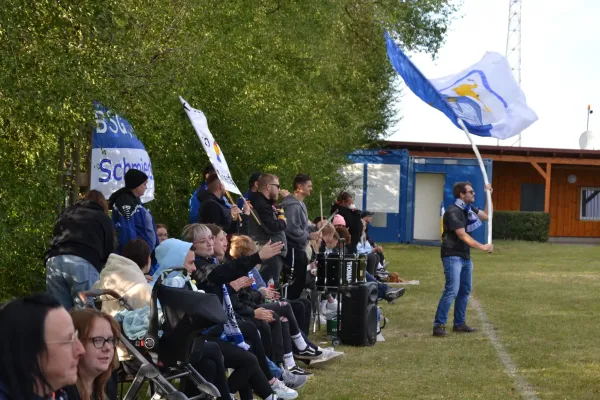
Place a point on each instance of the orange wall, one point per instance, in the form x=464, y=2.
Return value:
x=507, y=178
x=565, y=202
x=564, y=197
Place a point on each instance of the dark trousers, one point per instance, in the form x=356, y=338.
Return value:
x=302, y=309
x=298, y=261
x=246, y=371
x=271, y=335
x=211, y=366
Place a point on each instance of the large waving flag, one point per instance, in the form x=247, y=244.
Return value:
x=485, y=96
x=214, y=152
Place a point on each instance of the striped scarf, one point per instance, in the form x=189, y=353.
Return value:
x=473, y=221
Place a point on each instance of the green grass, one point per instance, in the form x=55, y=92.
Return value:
x=543, y=300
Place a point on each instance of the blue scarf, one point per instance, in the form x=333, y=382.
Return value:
x=473, y=221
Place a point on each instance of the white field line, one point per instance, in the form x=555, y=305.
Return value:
x=523, y=387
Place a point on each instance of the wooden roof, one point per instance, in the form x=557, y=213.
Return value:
x=500, y=153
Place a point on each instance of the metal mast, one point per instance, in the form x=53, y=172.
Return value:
x=513, y=42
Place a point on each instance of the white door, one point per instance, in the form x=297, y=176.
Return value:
x=429, y=193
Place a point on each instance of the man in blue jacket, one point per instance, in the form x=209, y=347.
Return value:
x=131, y=219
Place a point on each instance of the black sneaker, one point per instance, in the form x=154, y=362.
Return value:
x=439, y=330
x=464, y=328
x=307, y=354
x=296, y=370
x=393, y=294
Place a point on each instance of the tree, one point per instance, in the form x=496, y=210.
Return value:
x=286, y=87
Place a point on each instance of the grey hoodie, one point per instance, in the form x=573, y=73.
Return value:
x=297, y=230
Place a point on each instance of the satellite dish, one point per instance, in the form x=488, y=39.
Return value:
x=589, y=141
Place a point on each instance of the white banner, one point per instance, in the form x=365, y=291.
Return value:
x=215, y=155
x=115, y=150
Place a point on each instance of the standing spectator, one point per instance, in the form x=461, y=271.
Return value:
x=195, y=201
x=460, y=220
x=131, y=219
x=213, y=209
x=83, y=238
x=272, y=223
x=345, y=208
x=297, y=233
x=252, y=187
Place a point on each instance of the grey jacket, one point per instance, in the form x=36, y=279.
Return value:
x=297, y=229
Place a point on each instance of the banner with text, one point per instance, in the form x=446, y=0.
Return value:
x=116, y=149
x=217, y=159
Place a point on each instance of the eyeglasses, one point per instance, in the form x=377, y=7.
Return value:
x=204, y=240
x=99, y=341
x=70, y=340
x=277, y=185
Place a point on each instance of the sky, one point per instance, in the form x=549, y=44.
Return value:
x=560, y=70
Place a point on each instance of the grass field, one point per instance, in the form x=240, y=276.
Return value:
x=543, y=301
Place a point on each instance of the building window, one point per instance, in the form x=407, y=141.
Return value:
x=532, y=197
x=590, y=204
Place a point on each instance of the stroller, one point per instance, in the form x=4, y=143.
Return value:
x=160, y=360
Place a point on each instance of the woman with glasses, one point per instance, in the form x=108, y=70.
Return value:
x=98, y=332
x=39, y=349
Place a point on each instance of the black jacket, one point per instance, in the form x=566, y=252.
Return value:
x=214, y=211
x=353, y=223
x=83, y=230
x=271, y=227
x=210, y=276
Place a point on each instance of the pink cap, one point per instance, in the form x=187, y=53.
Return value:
x=339, y=220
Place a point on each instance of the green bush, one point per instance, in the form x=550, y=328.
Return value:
x=516, y=225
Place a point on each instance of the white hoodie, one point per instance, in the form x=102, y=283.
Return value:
x=127, y=279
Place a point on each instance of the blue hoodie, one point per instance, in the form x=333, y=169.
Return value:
x=170, y=253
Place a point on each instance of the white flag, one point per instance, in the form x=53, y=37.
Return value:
x=215, y=155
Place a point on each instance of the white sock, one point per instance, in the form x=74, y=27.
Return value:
x=299, y=341
x=288, y=359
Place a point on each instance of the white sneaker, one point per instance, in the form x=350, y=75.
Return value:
x=328, y=354
x=380, y=338
x=282, y=391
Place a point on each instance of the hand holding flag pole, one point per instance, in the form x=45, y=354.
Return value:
x=483, y=100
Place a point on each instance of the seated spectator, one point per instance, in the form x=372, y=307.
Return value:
x=82, y=240
x=126, y=275
x=39, y=349
x=99, y=334
x=294, y=343
x=249, y=367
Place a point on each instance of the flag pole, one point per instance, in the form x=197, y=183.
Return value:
x=485, y=178
x=251, y=210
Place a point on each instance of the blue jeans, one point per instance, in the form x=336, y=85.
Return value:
x=458, y=273
x=68, y=275
x=382, y=288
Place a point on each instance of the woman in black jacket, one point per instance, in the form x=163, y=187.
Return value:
x=345, y=207
x=83, y=239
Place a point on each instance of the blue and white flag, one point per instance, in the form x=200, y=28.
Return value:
x=116, y=149
x=485, y=96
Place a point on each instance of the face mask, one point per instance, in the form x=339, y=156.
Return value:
x=353, y=207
